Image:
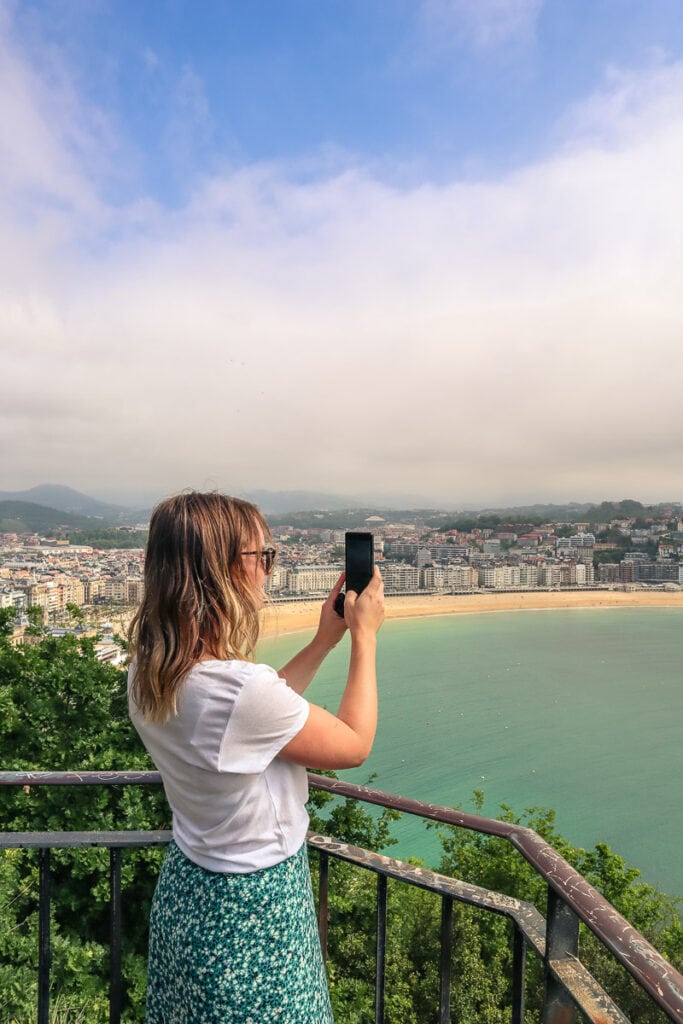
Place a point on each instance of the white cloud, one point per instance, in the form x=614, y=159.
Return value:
x=487, y=24
x=476, y=341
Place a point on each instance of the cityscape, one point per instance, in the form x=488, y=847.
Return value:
x=64, y=579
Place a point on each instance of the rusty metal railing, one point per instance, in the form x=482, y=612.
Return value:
x=568, y=986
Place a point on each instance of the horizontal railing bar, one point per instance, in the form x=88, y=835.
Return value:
x=81, y=840
x=642, y=961
x=588, y=995
x=135, y=778
x=663, y=983
x=525, y=915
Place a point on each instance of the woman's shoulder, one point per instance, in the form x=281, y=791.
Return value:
x=219, y=687
x=231, y=673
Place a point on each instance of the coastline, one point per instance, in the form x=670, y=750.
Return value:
x=282, y=619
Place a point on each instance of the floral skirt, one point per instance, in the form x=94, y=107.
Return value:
x=235, y=948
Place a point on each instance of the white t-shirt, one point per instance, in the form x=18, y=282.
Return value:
x=237, y=806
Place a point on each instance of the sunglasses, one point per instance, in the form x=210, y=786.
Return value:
x=267, y=556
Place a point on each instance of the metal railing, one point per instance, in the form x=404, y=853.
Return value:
x=568, y=985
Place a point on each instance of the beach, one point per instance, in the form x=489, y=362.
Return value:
x=280, y=619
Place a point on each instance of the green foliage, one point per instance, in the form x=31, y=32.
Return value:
x=28, y=517
x=611, y=555
x=7, y=617
x=109, y=538
x=61, y=709
x=494, y=864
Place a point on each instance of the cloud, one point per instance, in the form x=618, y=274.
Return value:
x=52, y=144
x=477, y=340
x=189, y=126
x=627, y=106
x=486, y=24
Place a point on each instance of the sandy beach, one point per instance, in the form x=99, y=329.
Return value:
x=280, y=619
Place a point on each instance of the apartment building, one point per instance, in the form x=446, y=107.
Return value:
x=314, y=579
x=508, y=577
x=448, y=577
x=400, y=577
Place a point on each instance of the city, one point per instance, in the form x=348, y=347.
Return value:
x=49, y=573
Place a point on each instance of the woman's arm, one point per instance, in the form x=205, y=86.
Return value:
x=345, y=739
x=303, y=666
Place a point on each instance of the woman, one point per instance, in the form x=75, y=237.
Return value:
x=233, y=936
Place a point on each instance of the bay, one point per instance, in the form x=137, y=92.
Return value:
x=577, y=710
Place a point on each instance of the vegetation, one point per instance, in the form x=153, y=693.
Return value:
x=62, y=709
x=110, y=537
x=27, y=517
x=494, y=521
x=344, y=519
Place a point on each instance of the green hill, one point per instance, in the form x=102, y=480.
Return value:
x=27, y=517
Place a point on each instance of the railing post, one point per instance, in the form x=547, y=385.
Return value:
x=445, y=960
x=115, y=937
x=44, y=949
x=561, y=943
x=380, y=975
x=323, y=900
x=518, y=975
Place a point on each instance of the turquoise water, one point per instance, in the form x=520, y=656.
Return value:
x=580, y=710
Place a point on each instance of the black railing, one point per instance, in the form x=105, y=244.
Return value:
x=568, y=985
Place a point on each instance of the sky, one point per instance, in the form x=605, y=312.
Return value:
x=408, y=248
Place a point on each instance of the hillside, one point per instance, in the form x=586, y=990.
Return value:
x=27, y=517
x=68, y=500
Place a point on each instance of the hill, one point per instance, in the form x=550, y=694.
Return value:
x=28, y=517
x=66, y=499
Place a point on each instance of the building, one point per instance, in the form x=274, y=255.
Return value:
x=399, y=577
x=313, y=579
x=608, y=572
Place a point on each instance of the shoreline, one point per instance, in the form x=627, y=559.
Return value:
x=296, y=617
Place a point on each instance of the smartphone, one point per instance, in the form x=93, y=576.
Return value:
x=360, y=560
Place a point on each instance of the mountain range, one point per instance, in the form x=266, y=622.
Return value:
x=66, y=499
x=48, y=507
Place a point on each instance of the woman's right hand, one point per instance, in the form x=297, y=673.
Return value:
x=364, y=612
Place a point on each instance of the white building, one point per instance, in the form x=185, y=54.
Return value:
x=278, y=579
x=313, y=579
x=13, y=599
x=400, y=577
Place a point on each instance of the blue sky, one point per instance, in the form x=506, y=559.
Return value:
x=427, y=247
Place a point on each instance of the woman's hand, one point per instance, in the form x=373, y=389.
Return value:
x=300, y=670
x=331, y=627
x=364, y=612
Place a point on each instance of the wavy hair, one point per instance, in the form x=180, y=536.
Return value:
x=198, y=599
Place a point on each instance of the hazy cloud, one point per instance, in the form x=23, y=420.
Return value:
x=479, y=340
x=487, y=24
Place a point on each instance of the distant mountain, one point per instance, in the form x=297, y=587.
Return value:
x=66, y=499
x=570, y=512
x=282, y=502
x=28, y=517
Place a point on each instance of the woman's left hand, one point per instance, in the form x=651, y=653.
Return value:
x=300, y=670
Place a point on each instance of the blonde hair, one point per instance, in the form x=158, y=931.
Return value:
x=198, y=599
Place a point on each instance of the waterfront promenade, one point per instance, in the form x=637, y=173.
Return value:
x=279, y=619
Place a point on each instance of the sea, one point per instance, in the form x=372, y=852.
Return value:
x=578, y=710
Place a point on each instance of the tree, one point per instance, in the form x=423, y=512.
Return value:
x=62, y=709
x=494, y=864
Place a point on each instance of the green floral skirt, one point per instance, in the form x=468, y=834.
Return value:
x=235, y=949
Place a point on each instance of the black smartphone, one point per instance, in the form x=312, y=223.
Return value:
x=360, y=560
